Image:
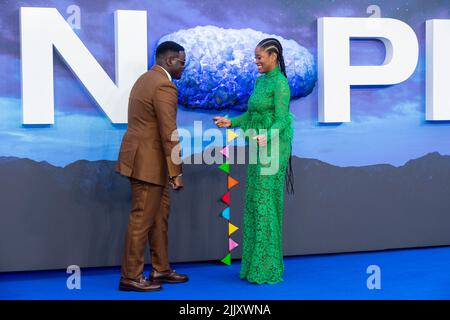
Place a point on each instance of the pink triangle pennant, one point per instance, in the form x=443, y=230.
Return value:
x=225, y=151
x=232, y=244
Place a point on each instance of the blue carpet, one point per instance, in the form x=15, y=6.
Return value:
x=405, y=274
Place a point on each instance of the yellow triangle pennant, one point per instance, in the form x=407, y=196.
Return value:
x=231, y=228
x=231, y=135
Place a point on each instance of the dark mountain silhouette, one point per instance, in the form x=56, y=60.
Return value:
x=52, y=217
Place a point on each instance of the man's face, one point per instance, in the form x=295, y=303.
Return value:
x=178, y=63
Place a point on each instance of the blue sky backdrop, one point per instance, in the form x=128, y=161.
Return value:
x=388, y=124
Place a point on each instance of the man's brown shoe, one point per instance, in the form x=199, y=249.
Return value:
x=168, y=277
x=141, y=285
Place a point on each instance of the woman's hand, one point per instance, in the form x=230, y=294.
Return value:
x=261, y=139
x=222, y=122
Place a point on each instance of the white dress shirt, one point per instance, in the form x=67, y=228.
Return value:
x=168, y=74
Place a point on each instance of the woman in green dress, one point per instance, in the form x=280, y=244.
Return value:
x=269, y=117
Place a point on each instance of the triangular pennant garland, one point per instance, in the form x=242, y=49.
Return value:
x=227, y=259
x=231, y=228
x=232, y=244
x=225, y=151
x=226, y=198
x=225, y=167
x=226, y=213
x=231, y=135
x=231, y=182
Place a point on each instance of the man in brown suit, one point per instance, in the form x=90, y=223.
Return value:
x=150, y=157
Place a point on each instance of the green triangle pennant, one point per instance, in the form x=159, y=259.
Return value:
x=227, y=259
x=225, y=167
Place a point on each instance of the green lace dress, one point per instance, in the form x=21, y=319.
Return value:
x=268, y=108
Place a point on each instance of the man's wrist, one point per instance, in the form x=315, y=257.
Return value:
x=173, y=177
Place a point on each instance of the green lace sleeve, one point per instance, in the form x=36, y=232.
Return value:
x=282, y=116
x=239, y=121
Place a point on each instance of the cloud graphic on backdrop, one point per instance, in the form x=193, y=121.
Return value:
x=220, y=70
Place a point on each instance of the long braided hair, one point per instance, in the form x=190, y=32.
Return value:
x=272, y=45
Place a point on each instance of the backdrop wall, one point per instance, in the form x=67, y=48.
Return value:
x=377, y=182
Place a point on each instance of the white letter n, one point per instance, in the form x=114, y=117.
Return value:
x=43, y=28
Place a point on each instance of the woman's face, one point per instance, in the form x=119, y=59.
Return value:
x=264, y=61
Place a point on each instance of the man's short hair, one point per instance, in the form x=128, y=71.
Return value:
x=168, y=46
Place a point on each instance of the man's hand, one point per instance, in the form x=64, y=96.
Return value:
x=176, y=182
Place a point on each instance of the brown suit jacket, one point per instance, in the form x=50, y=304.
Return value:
x=150, y=149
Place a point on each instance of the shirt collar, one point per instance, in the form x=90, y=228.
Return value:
x=168, y=74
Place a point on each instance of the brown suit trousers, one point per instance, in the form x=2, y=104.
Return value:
x=148, y=222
